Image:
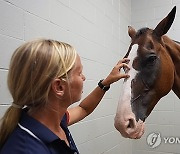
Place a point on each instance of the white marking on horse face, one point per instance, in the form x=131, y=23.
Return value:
x=124, y=112
x=132, y=72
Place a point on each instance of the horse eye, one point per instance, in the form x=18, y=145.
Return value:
x=151, y=59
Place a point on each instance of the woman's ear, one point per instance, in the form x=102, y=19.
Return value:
x=58, y=87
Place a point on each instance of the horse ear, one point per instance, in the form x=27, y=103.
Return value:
x=163, y=27
x=131, y=32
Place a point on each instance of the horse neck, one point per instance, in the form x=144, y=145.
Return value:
x=173, y=50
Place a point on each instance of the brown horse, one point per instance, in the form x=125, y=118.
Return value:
x=155, y=70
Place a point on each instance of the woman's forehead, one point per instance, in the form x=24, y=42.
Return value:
x=77, y=64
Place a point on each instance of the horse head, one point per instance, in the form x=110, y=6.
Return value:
x=151, y=77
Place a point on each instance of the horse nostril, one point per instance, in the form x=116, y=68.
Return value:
x=131, y=123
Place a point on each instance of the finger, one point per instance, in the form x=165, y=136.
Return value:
x=124, y=76
x=125, y=60
x=124, y=65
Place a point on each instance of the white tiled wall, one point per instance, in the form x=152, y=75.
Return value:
x=98, y=30
x=165, y=117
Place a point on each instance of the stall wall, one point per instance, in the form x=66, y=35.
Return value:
x=164, y=120
x=98, y=31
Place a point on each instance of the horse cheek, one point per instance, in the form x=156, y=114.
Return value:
x=165, y=79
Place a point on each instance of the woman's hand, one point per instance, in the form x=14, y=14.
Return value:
x=116, y=74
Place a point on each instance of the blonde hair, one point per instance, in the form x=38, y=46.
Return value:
x=32, y=68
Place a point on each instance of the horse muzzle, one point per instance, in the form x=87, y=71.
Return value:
x=129, y=128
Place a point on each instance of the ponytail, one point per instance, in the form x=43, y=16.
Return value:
x=8, y=123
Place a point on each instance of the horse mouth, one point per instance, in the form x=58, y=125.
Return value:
x=130, y=128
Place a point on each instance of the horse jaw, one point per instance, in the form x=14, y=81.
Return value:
x=125, y=120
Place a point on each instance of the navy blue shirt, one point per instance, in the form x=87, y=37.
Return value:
x=32, y=137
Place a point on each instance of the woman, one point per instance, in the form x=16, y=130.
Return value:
x=45, y=78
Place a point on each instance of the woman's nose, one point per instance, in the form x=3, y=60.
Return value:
x=83, y=77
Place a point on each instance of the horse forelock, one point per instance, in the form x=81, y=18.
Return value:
x=141, y=32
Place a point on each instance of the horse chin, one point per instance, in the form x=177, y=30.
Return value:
x=129, y=128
